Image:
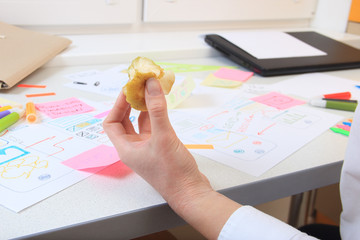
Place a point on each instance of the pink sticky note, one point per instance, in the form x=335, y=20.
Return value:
x=233, y=74
x=99, y=156
x=67, y=107
x=277, y=100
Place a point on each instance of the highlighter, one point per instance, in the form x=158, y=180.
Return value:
x=10, y=119
x=4, y=108
x=30, y=112
x=7, y=112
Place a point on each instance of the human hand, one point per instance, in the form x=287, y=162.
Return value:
x=156, y=153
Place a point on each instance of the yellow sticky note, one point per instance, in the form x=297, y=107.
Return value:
x=213, y=81
x=179, y=93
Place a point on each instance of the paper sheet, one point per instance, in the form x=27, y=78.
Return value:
x=109, y=82
x=271, y=44
x=31, y=156
x=312, y=85
x=250, y=136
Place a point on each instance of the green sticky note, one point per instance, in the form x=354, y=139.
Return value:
x=178, y=67
x=341, y=131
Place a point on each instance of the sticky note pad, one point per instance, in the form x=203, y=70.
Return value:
x=100, y=156
x=277, y=100
x=63, y=108
x=233, y=74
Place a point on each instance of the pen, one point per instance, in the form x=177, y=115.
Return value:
x=10, y=119
x=333, y=104
x=7, y=112
x=82, y=83
x=30, y=112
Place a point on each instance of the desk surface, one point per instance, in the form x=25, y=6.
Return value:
x=117, y=203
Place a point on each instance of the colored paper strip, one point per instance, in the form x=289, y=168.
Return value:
x=31, y=86
x=345, y=127
x=347, y=123
x=40, y=94
x=177, y=67
x=341, y=131
x=100, y=156
x=199, y=146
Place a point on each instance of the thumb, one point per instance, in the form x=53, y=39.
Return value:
x=156, y=105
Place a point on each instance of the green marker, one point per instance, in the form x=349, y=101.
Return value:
x=10, y=119
x=349, y=105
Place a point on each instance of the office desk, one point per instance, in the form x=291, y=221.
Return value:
x=118, y=204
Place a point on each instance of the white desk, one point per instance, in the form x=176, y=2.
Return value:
x=117, y=204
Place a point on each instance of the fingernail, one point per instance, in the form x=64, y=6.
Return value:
x=153, y=87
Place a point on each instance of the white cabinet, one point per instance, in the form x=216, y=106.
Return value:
x=227, y=10
x=69, y=12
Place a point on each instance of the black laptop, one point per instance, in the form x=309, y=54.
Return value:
x=338, y=56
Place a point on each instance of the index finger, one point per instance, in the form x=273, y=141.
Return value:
x=118, y=112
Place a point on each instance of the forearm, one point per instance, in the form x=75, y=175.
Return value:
x=206, y=212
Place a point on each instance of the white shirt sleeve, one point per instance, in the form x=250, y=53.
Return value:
x=350, y=184
x=250, y=223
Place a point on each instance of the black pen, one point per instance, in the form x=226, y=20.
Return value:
x=82, y=83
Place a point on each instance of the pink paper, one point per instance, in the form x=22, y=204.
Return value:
x=99, y=156
x=67, y=107
x=277, y=100
x=103, y=114
x=344, y=127
x=233, y=74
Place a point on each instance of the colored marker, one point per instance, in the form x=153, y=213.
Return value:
x=333, y=104
x=7, y=107
x=10, y=119
x=4, y=108
x=7, y=112
x=30, y=112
